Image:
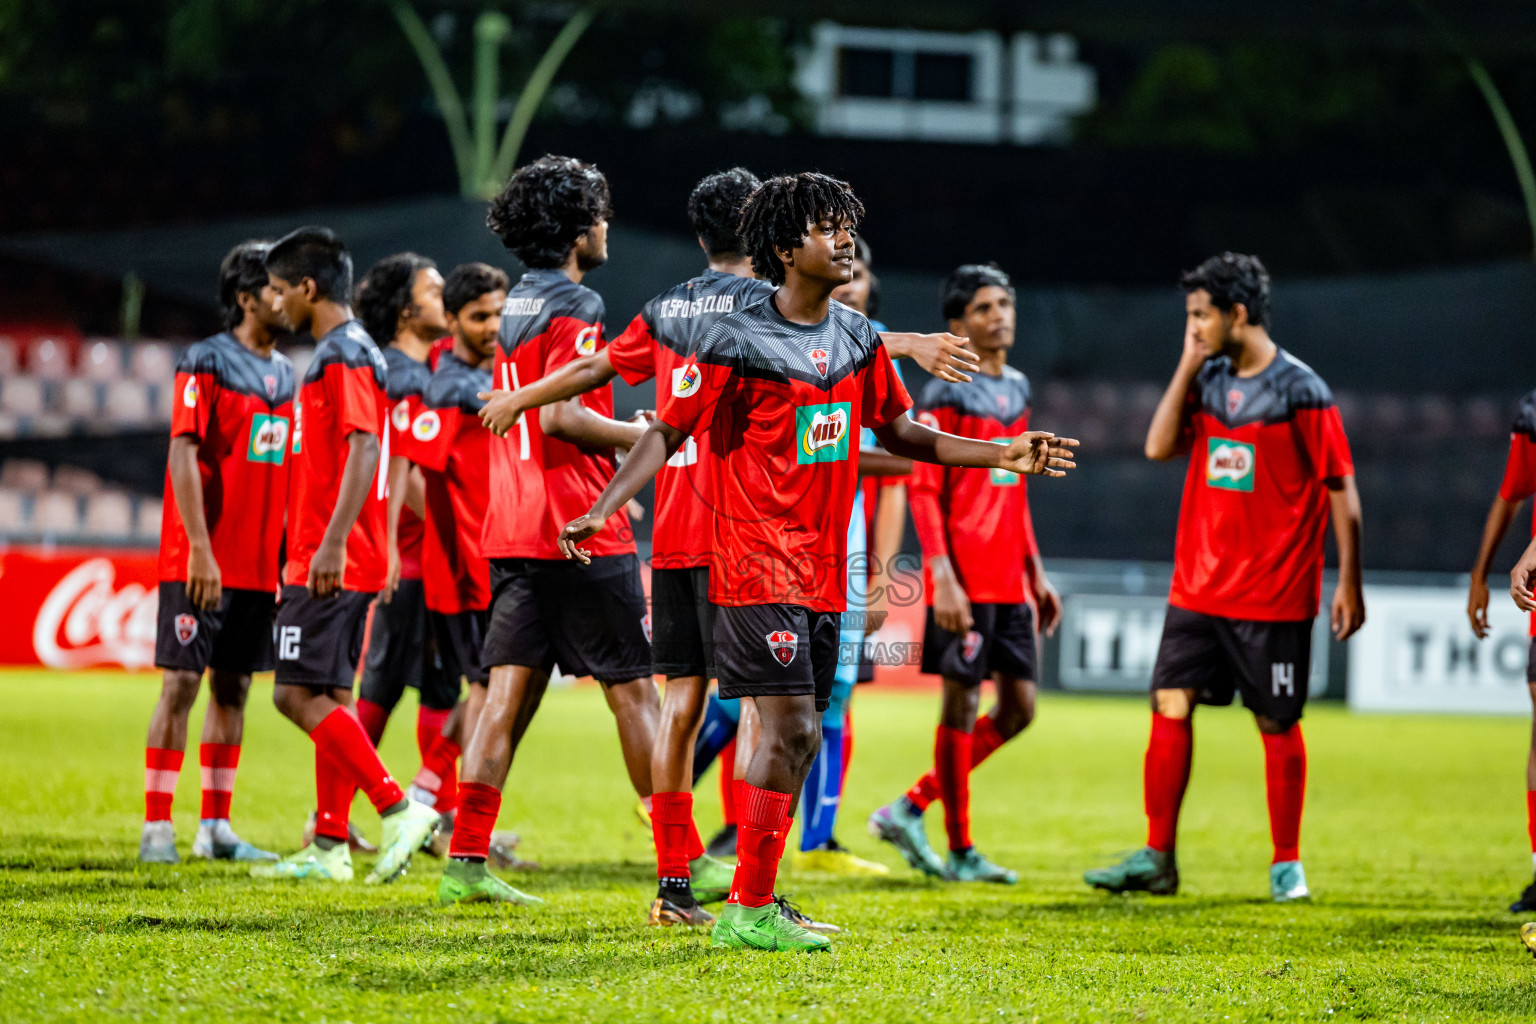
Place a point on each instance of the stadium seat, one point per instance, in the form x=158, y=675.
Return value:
x=10, y=426
x=150, y=511
x=56, y=512
x=1485, y=417
x=102, y=360
x=48, y=424
x=13, y=512
x=153, y=362
x=49, y=358
x=302, y=356
x=127, y=403
x=10, y=355
x=22, y=396
x=28, y=475
x=109, y=514
x=74, y=480
x=79, y=398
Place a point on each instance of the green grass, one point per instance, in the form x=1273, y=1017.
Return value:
x=1414, y=841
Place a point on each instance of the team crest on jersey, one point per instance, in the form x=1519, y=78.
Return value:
x=1002, y=405
x=271, y=383
x=685, y=380
x=1229, y=465
x=970, y=646
x=190, y=393
x=427, y=426
x=823, y=432
x=186, y=628
x=400, y=415
x=269, y=439
x=820, y=360
x=782, y=643
x=586, y=340
x=1234, y=401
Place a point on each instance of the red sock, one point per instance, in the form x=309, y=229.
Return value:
x=952, y=766
x=429, y=729
x=847, y=749
x=219, y=761
x=439, y=773
x=694, y=847
x=1530, y=817
x=162, y=767
x=479, y=805
x=760, y=836
x=985, y=739
x=343, y=738
x=727, y=762
x=671, y=816
x=1165, y=773
x=374, y=718
x=334, y=790
x=1285, y=778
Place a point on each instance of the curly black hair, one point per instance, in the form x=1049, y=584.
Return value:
x=962, y=284
x=385, y=292
x=714, y=209
x=1232, y=278
x=780, y=212
x=545, y=206
x=315, y=253
x=468, y=281
x=243, y=269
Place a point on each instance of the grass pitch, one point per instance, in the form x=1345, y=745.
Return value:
x=1413, y=841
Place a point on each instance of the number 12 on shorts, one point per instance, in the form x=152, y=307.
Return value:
x=288, y=643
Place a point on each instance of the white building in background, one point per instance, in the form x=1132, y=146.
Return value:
x=944, y=86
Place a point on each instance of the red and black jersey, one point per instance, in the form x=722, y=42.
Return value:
x=407, y=380
x=453, y=449
x=1520, y=469
x=239, y=407
x=782, y=404
x=343, y=393
x=656, y=344
x=978, y=517
x=1250, y=543
x=540, y=483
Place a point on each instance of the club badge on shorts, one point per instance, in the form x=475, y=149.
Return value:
x=186, y=628
x=971, y=646
x=782, y=643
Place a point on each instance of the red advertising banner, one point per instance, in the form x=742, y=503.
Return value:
x=77, y=608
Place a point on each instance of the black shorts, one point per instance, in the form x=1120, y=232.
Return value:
x=1002, y=639
x=234, y=637
x=1268, y=663
x=401, y=653
x=777, y=650
x=588, y=619
x=1530, y=661
x=682, y=623
x=460, y=639
x=319, y=641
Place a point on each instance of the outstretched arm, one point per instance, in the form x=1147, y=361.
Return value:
x=943, y=355
x=1035, y=452
x=649, y=454
x=574, y=422
x=502, y=408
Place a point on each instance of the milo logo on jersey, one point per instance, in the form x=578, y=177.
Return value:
x=269, y=439
x=1003, y=477
x=1229, y=465
x=823, y=432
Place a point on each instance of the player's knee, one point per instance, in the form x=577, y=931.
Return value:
x=229, y=689
x=178, y=689
x=290, y=700
x=1173, y=703
x=1009, y=722
x=796, y=736
x=1274, y=726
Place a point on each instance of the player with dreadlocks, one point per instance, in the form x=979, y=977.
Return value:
x=790, y=380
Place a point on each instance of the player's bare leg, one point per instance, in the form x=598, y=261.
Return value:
x=636, y=711
x=511, y=700
x=223, y=731
x=164, y=749
x=1012, y=714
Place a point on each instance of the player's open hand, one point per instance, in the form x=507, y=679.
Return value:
x=576, y=531
x=945, y=356
x=500, y=412
x=1520, y=580
x=325, y=569
x=1477, y=607
x=1039, y=453
x=1348, y=612
x=205, y=583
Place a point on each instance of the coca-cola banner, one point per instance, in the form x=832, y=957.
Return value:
x=78, y=607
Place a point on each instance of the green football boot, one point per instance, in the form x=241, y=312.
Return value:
x=969, y=865
x=404, y=833
x=711, y=879
x=333, y=865
x=471, y=882
x=898, y=824
x=1146, y=870
x=765, y=927
x=1287, y=882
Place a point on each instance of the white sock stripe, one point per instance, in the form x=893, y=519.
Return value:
x=220, y=780
x=160, y=780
